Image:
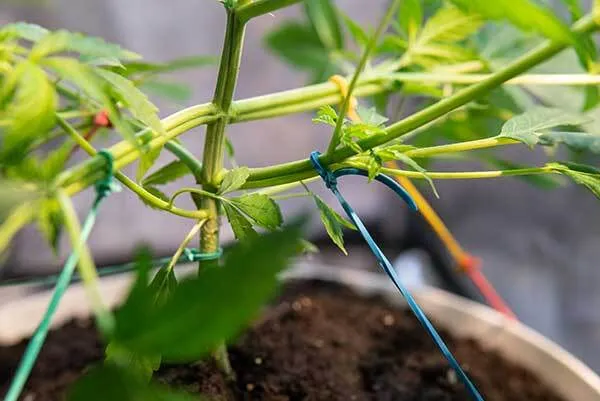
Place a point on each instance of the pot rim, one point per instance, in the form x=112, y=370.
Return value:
x=462, y=317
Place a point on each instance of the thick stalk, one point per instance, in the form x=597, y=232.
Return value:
x=304, y=169
x=214, y=148
x=215, y=132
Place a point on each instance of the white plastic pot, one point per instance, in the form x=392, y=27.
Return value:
x=560, y=370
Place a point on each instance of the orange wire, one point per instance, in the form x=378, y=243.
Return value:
x=465, y=261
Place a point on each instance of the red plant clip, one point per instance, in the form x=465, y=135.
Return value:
x=101, y=119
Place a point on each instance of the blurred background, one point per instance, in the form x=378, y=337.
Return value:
x=540, y=248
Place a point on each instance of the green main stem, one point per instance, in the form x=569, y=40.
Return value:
x=214, y=148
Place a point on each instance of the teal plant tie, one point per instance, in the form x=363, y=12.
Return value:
x=330, y=179
x=103, y=189
x=194, y=255
x=190, y=255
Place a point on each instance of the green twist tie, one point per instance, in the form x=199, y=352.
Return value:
x=194, y=255
x=106, y=186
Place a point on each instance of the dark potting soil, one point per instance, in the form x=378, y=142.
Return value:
x=319, y=342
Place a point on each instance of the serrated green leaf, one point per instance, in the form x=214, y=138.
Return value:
x=240, y=224
x=142, y=367
x=299, y=46
x=326, y=115
x=141, y=298
x=529, y=126
x=358, y=34
x=323, y=18
x=308, y=247
x=50, y=222
x=524, y=14
x=146, y=162
x=449, y=24
x=91, y=48
x=86, y=79
x=31, y=111
x=163, y=285
x=23, y=30
x=370, y=116
x=577, y=141
x=439, y=41
x=234, y=179
x=179, y=64
x=168, y=173
x=373, y=167
x=333, y=223
x=590, y=180
x=109, y=382
x=134, y=99
x=410, y=17
x=174, y=91
x=263, y=210
x=201, y=312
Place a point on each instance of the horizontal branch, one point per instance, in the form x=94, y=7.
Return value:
x=261, y=7
x=468, y=175
x=301, y=169
x=127, y=182
x=300, y=100
x=527, y=79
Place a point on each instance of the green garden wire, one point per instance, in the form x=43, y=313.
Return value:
x=103, y=189
x=189, y=255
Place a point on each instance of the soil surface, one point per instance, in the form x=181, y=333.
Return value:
x=318, y=342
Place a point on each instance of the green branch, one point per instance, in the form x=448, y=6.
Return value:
x=383, y=25
x=261, y=7
x=461, y=147
x=196, y=191
x=301, y=169
x=195, y=229
x=468, y=175
x=139, y=191
x=277, y=104
x=187, y=158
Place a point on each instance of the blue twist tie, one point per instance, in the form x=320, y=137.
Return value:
x=330, y=179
